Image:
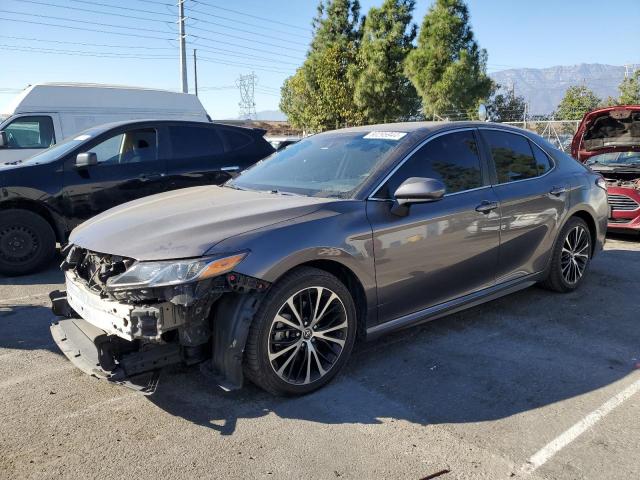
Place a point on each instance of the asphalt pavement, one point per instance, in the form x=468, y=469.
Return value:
x=534, y=385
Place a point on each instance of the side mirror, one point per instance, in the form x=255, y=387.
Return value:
x=4, y=141
x=416, y=190
x=86, y=159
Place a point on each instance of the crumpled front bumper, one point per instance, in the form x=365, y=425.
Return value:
x=96, y=353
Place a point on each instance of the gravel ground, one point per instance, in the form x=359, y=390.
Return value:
x=473, y=395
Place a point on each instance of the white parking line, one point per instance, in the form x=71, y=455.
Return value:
x=543, y=455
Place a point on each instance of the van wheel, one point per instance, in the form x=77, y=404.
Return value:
x=302, y=334
x=27, y=242
x=570, y=257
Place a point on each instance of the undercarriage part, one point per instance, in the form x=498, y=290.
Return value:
x=232, y=318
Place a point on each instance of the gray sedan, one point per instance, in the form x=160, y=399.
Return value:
x=345, y=235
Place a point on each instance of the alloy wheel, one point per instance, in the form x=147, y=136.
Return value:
x=307, y=335
x=575, y=254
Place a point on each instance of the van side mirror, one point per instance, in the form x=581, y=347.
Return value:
x=416, y=190
x=4, y=141
x=86, y=159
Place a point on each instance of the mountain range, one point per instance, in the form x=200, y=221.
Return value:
x=544, y=88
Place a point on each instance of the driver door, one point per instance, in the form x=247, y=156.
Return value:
x=443, y=249
x=130, y=166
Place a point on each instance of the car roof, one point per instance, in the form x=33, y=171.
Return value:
x=148, y=122
x=426, y=127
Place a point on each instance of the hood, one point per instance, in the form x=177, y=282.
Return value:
x=611, y=129
x=186, y=223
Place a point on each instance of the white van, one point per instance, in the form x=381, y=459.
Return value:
x=45, y=113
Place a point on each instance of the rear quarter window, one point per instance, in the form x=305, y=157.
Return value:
x=236, y=140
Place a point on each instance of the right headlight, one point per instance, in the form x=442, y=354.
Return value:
x=173, y=272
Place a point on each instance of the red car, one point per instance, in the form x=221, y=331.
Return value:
x=608, y=141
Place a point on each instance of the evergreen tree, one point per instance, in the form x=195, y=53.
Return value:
x=630, y=90
x=320, y=94
x=577, y=101
x=506, y=107
x=383, y=92
x=448, y=68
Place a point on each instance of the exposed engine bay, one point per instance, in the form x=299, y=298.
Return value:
x=621, y=179
x=142, y=329
x=618, y=128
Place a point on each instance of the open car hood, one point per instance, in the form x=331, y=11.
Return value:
x=611, y=129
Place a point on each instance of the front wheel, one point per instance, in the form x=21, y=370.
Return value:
x=570, y=258
x=27, y=242
x=302, y=334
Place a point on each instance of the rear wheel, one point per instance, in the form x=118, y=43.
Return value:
x=570, y=258
x=27, y=242
x=302, y=335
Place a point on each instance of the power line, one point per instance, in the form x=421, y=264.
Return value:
x=251, y=16
x=84, y=53
x=247, y=65
x=262, y=35
x=281, y=47
x=200, y=12
x=95, y=11
x=84, y=29
x=82, y=21
x=124, y=8
x=87, y=44
x=217, y=41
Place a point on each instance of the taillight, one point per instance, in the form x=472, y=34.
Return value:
x=601, y=182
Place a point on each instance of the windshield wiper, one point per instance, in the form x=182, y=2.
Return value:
x=282, y=192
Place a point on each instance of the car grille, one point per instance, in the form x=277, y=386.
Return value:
x=622, y=202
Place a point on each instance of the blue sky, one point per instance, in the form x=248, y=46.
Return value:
x=109, y=41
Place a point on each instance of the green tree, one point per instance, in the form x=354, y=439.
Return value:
x=320, y=94
x=577, y=101
x=448, y=68
x=382, y=91
x=506, y=107
x=630, y=90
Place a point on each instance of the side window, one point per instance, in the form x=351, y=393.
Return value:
x=512, y=156
x=236, y=140
x=134, y=146
x=542, y=159
x=452, y=158
x=194, y=142
x=30, y=132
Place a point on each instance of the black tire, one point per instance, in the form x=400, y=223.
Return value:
x=557, y=278
x=266, y=333
x=27, y=242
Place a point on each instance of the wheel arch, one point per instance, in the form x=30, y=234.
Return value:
x=39, y=209
x=591, y=223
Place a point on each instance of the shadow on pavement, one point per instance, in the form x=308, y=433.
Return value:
x=52, y=274
x=26, y=327
x=516, y=354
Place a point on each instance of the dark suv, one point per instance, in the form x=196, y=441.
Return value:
x=44, y=197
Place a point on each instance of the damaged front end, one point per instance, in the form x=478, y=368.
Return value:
x=126, y=319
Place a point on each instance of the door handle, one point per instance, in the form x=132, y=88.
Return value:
x=486, y=206
x=146, y=177
x=233, y=168
x=557, y=191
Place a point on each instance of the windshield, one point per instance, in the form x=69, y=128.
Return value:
x=616, y=159
x=326, y=165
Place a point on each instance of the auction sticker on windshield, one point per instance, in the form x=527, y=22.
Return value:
x=385, y=135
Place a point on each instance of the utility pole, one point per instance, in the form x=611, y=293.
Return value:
x=183, y=53
x=195, y=70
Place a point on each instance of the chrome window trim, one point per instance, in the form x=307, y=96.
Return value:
x=504, y=130
x=411, y=154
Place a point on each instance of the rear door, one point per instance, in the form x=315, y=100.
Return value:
x=444, y=249
x=130, y=165
x=197, y=156
x=533, y=200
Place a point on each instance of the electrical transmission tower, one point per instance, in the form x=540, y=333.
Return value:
x=247, y=85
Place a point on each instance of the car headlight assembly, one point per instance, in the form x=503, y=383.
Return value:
x=173, y=272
